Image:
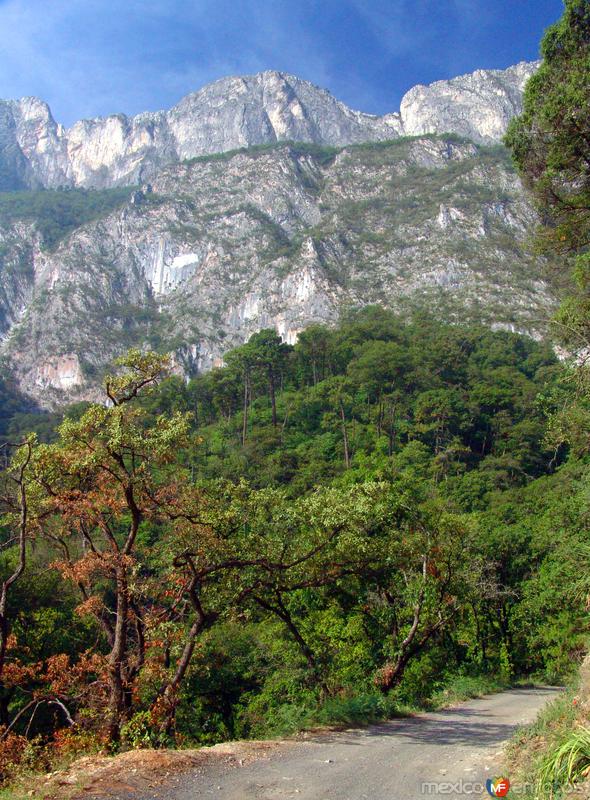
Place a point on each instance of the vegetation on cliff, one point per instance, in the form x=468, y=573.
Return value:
x=58, y=212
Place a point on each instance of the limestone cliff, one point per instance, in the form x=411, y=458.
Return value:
x=285, y=235
x=239, y=112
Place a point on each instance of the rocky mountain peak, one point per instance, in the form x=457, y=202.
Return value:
x=212, y=249
x=478, y=105
x=236, y=112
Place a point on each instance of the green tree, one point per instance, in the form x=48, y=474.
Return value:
x=379, y=367
x=241, y=361
x=550, y=143
x=314, y=352
x=269, y=353
x=439, y=414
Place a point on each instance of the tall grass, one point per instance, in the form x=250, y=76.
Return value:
x=565, y=766
x=465, y=687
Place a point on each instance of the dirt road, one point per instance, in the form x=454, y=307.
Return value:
x=445, y=754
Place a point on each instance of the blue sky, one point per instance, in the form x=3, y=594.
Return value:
x=95, y=57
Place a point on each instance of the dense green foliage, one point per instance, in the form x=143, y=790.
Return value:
x=313, y=497
x=20, y=415
x=57, y=213
x=459, y=413
x=550, y=144
x=11, y=403
x=462, y=399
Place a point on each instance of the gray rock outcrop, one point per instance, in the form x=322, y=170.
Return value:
x=282, y=237
x=237, y=112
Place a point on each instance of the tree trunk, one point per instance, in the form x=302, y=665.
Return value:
x=245, y=420
x=393, y=673
x=344, y=437
x=273, y=402
x=379, y=417
x=4, y=703
x=283, y=613
x=116, y=702
x=169, y=691
x=391, y=430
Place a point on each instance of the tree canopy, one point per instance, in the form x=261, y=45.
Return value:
x=550, y=144
x=358, y=518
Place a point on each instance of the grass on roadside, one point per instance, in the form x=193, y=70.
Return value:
x=465, y=687
x=372, y=707
x=552, y=752
x=567, y=765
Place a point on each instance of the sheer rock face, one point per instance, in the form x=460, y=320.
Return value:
x=239, y=112
x=478, y=106
x=219, y=248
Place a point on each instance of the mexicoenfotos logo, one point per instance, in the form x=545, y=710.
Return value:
x=498, y=787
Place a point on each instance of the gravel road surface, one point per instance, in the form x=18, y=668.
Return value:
x=456, y=749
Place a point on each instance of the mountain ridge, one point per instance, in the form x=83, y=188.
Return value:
x=235, y=226
x=240, y=111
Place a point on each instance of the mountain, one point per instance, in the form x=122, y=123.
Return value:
x=237, y=230
x=239, y=112
x=280, y=236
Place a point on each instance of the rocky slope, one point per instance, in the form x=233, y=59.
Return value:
x=239, y=112
x=285, y=235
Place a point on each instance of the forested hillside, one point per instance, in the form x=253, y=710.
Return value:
x=326, y=531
